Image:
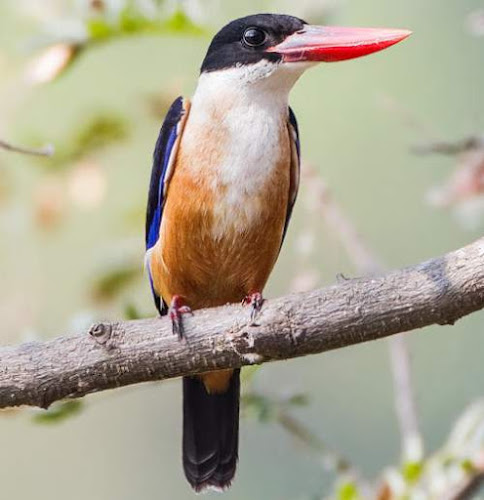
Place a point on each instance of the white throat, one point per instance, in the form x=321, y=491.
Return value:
x=250, y=105
x=263, y=81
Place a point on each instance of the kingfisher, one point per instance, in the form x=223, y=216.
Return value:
x=223, y=185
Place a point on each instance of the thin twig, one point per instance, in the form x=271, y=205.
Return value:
x=366, y=263
x=450, y=148
x=329, y=458
x=404, y=400
x=363, y=260
x=468, y=487
x=45, y=151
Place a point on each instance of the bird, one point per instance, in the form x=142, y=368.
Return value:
x=224, y=181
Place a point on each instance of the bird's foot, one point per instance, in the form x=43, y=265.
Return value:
x=255, y=301
x=176, y=311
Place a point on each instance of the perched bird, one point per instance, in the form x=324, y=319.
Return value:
x=224, y=181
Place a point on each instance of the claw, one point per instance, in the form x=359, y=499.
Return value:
x=255, y=300
x=176, y=311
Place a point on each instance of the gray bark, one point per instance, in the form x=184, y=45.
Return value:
x=439, y=291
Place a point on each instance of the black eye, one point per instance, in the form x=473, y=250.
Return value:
x=254, y=37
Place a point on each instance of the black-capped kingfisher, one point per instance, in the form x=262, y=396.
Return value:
x=223, y=185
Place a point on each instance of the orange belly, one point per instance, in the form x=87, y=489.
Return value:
x=209, y=271
x=209, y=268
x=211, y=253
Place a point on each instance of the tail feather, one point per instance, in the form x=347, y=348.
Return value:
x=210, y=433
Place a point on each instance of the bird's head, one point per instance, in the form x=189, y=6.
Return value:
x=279, y=48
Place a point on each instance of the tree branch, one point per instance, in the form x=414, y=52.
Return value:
x=467, y=488
x=366, y=263
x=439, y=291
x=451, y=148
x=45, y=151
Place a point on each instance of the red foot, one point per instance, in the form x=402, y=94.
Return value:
x=255, y=300
x=176, y=311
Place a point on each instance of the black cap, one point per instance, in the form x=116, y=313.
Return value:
x=245, y=40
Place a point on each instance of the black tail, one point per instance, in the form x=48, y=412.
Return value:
x=210, y=433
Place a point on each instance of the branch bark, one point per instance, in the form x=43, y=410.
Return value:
x=438, y=291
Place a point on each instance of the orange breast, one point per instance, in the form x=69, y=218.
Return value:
x=196, y=260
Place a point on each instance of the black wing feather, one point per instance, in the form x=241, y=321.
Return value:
x=164, y=150
x=295, y=168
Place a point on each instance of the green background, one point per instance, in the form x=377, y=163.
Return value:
x=126, y=443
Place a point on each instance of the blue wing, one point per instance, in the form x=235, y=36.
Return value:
x=295, y=167
x=161, y=172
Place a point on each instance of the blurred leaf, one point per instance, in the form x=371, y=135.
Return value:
x=265, y=408
x=468, y=466
x=59, y=412
x=452, y=468
x=99, y=132
x=248, y=373
x=106, y=22
x=298, y=400
x=131, y=312
x=180, y=23
x=348, y=491
x=99, y=29
x=258, y=407
x=412, y=471
x=132, y=21
x=451, y=148
x=110, y=284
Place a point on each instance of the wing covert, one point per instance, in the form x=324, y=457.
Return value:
x=163, y=164
x=163, y=161
x=295, y=166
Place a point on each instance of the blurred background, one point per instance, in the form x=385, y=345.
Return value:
x=396, y=139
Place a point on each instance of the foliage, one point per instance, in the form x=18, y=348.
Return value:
x=98, y=132
x=104, y=21
x=348, y=491
x=132, y=21
x=110, y=283
x=59, y=412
